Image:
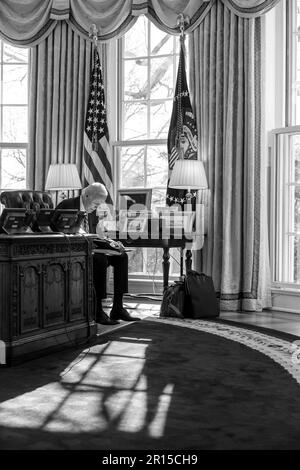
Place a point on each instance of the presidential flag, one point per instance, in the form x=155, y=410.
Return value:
x=182, y=136
x=97, y=162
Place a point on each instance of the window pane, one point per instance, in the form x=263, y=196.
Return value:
x=297, y=65
x=13, y=168
x=135, y=121
x=132, y=167
x=13, y=115
x=287, y=209
x=161, y=77
x=135, y=79
x=158, y=198
x=135, y=261
x=136, y=39
x=297, y=209
x=161, y=43
x=175, y=261
x=296, y=156
x=160, y=113
x=15, y=84
x=14, y=54
x=148, y=262
x=15, y=123
x=157, y=166
x=153, y=261
x=297, y=259
x=293, y=55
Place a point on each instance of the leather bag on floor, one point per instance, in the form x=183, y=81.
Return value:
x=201, y=299
x=173, y=300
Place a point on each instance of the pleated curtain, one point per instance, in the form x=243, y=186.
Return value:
x=59, y=79
x=226, y=82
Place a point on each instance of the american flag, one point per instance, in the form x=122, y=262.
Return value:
x=182, y=136
x=97, y=162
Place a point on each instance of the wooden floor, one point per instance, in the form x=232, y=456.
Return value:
x=278, y=321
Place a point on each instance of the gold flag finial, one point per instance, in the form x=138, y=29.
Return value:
x=94, y=33
x=182, y=22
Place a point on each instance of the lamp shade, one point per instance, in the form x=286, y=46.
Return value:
x=63, y=176
x=188, y=174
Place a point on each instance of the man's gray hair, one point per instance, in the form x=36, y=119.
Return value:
x=94, y=191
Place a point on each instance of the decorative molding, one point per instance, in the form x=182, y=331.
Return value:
x=4, y=299
x=15, y=300
x=42, y=249
x=4, y=250
x=29, y=283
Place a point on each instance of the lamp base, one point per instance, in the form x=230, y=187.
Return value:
x=189, y=196
x=62, y=195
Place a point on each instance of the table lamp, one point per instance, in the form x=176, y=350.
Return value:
x=61, y=177
x=188, y=175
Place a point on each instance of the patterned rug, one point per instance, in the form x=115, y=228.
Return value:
x=284, y=352
x=157, y=384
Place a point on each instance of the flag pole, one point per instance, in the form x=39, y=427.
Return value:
x=97, y=158
x=94, y=34
x=182, y=135
x=182, y=21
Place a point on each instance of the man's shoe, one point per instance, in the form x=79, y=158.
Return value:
x=122, y=315
x=104, y=319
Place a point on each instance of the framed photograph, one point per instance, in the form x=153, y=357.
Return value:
x=134, y=222
x=134, y=199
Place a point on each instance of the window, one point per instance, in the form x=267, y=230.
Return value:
x=148, y=61
x=286, y=206
x=285, y=165
x=293, y=78
x=13, y=115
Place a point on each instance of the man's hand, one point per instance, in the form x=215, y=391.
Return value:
x=115, y=243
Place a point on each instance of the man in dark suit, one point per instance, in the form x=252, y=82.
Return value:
x=93, y=196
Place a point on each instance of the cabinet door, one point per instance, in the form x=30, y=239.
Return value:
x=54, y=289
x=77, y=294
x=30, y=295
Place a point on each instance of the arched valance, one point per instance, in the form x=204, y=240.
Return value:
x=28, y=22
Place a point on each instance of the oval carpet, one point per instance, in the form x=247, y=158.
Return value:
x=151, y=385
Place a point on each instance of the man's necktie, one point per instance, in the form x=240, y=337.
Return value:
x=86, y=224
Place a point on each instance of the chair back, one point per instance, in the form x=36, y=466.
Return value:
x=31, y=200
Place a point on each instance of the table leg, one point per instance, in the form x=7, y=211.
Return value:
x=188, y=260
x=166, y=267
x=181, y=262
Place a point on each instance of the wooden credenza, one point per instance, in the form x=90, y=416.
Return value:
x=46, y=293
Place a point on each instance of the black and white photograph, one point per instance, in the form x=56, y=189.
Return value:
x=134, y=199
x=149, y=230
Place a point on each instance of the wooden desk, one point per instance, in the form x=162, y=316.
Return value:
x=46, y=293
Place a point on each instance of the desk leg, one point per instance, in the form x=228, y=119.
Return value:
x=188, y=260
x=166, y=267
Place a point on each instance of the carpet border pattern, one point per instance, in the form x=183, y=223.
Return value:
x=284, y=353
